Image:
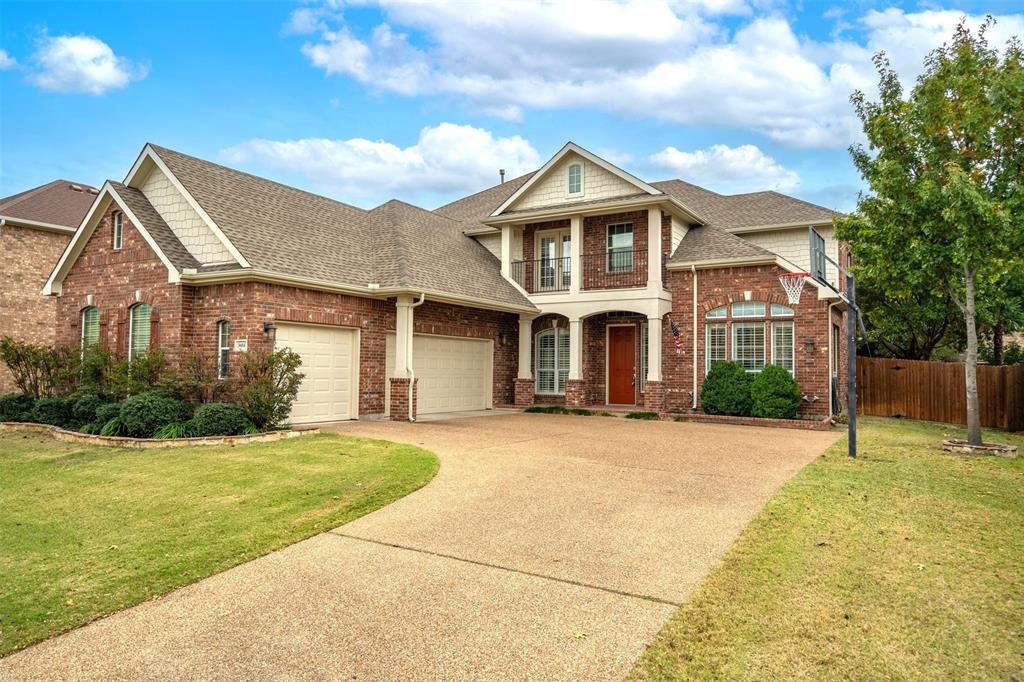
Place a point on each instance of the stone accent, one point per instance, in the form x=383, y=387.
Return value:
x=26, y=258
x=654, y=396
x=575, y=392
x=524, y=392
x=823, y=424
x=151, y=443
x=400, y=398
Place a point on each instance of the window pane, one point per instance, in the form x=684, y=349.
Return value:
x=748, y=309
x=715, y=347
x=118, y=230
x=90, y=327
x=563, y=358
x=717, y=312
x=643, y=356
x=224, y=348
x=781, y=310
x=782, y=344
x=140, y=323
x=620, y=236
x=546, y=362
x=575, y=178
x=748, y=345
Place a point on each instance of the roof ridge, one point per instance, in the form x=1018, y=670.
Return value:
x=802, y=201
x=18, y=197
x=486, y=189
x=691, y=184
x=159, y=148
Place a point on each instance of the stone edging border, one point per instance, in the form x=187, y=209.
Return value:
x=964, y=448
x=823, y=424
x=151, y=443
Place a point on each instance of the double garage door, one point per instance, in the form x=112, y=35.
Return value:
x=453, y=374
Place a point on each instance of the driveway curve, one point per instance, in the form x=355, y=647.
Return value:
x=547, y=547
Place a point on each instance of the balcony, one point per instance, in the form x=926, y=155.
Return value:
x=616, y=269
x=547, y=275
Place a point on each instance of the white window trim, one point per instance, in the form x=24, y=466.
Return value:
x=223, y=368
x=118, y=242
x=792, y=327
x=791, y=313
x=751, y=316
x=568, y=179
x=556, y=332
x=559, y=233
x=84, y=312
x=609, y=250
x=707, y=344
x=723, y=316
x=131, y=329
x=742, y=325
x=645, y=360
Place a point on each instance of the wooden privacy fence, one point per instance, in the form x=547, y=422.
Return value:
x=935, y=391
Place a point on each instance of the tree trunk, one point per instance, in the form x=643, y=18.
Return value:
x=997, y=343
x=971, y=365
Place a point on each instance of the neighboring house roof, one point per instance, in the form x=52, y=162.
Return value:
x=709, y=244
x=60, y=204
x=136, y=202
x=738, y=211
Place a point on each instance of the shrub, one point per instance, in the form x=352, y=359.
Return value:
x=94, y=370
x=643, y=415
x=775, y=394
x=269, y=385
x=90, y=429
x=16, y=407
x=53, y=410
x=136, y=376
x=196, y=381
x=143, y=414
x=114, y=427
x=220, y=419
x=40, y=371
x=727, y=390
x=84, y=409
x=106, y=412
x=176, y=430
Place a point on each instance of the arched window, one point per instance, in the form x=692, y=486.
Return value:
x=552, y=361
x=90, y=327
x=223, y=348
x=139, y=325
x=118, y=230
x=575, y=178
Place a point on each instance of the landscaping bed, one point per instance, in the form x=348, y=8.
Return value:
x=822, y=424
x=90, y=530
x=149, y=443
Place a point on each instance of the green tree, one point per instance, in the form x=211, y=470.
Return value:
x=946, y=172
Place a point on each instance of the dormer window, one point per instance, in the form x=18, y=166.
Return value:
x=575, y=179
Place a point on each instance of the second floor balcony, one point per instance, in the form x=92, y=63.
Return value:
x=611, y=269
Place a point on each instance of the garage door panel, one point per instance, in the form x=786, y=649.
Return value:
x=452, y=374
x=329, y=363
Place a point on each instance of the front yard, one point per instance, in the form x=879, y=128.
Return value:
x=903, y=564
x=85, y=531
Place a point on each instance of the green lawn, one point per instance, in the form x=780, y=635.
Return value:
x=907, y=563
x=85, y=531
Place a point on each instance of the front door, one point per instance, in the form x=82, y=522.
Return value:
x=622, y=365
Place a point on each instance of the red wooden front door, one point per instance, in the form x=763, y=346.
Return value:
x=621, y=365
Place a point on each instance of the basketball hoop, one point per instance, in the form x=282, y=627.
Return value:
x=793, y=284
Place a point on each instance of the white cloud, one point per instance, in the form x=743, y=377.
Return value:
x=446, y=159
x=7, y=61
x=728, y=169
x=675, y=61
x=82, y=64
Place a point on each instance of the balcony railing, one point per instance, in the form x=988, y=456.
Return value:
x=542, y=276
x=615, y=269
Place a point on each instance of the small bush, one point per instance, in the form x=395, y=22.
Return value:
x=727, y=390
x=643, y=415
x=16, y=407
x=220, y=419
x=53, y=411
x=176, y=430
x=143, y=414
x=269, y=384
x=90, y=429
x=106, y=412
x=84, y=409
x=775, y=394
x=40, y=371
x=136, y=376
x=114, y=427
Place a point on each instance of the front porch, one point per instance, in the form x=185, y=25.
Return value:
x=610, y=358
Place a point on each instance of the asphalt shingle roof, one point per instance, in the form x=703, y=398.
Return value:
x=151, y=221
x=710, y=243
x=730, y=211
x=55, y=203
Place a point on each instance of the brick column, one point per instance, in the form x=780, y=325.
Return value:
x=400, y=398
x=654, y=396
x=575, y=392
x=524, y=392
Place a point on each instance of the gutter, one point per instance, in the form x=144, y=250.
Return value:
x=36, y=225
x=693, y=269
x=594, y=209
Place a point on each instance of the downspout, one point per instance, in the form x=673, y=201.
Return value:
x=693, y=269
x=408, y=365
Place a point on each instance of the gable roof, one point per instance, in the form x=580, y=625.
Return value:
x=139, y=206
x=60, y=205
x=709, y=244
x=746, y=211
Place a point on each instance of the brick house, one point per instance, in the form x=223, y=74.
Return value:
x=482, y=302
x=35, y=226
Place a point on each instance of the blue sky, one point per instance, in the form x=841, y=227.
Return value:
x=367, y=101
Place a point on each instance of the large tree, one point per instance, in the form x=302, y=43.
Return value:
x=945, y=166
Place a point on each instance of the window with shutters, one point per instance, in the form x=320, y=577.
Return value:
x=552, y=361
x=223, y=349
x=90, y=327
x=139, y=324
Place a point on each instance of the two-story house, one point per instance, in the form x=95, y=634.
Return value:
x=578, y=284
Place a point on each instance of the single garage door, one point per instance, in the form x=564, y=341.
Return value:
x=330, y=357
x=453, y=374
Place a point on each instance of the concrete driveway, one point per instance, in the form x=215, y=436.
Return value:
x=548, y=547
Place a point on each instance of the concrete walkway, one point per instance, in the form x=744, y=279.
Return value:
x=548, y=547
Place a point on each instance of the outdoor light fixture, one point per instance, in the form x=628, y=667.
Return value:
x=269, y=328
x=503, y=338
x=809, y=344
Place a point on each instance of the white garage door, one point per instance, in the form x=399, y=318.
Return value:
x=330, y=358
x=452, y=374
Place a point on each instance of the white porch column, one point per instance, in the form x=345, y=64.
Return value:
x=576, y=245
x=403, y=335
x=506, y=251
x=575, y=348
x=654, y=332
x=525, y=347
x=654, y=248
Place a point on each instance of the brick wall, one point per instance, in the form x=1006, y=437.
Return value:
x=724, y=286
x=26, y=259
x=595, y=245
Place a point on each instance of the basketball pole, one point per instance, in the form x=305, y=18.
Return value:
x=851, y=366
